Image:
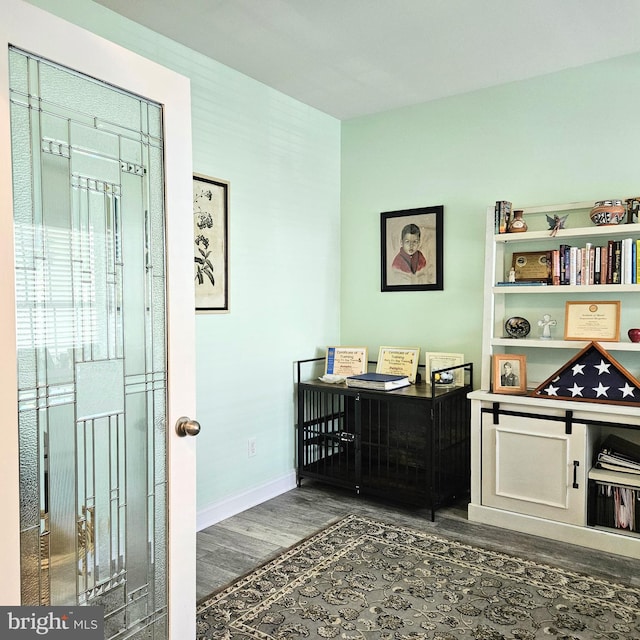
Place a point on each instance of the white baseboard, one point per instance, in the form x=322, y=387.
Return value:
x=236, y=504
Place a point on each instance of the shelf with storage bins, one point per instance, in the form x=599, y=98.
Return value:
x=532, y=301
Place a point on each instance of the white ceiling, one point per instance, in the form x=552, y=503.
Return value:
x=354, y=57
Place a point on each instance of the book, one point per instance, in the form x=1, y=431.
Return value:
x=616, y=446
x=378, y=381
x=618, y=454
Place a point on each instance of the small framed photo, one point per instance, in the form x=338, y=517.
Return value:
x=346, y=361
x=211, y=243
x=399, y=361
x=597, y=320
x=435, y=361
x=411, y=251
x=509, y=373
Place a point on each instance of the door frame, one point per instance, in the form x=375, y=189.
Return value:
x=46, y=35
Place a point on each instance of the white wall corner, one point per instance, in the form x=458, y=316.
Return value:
x=241, y=502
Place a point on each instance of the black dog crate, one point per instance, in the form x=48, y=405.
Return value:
x=411, y=445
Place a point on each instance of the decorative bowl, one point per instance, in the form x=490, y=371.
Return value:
x=517, y=327
x=608, y=212
x=634, y=335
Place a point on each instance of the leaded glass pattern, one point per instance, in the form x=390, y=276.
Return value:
x=90, y=300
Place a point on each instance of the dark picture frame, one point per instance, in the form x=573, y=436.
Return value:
x=211, y=243
x=412, y=249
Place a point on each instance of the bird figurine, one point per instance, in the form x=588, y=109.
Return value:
x=556, y=223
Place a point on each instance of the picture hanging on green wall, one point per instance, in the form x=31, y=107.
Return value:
x=411, y=249
x=211, y=253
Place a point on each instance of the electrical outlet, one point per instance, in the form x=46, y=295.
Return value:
x=251, y=447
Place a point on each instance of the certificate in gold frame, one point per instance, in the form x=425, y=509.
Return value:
x=399, y=361
x=346, y=361
x=596, y=320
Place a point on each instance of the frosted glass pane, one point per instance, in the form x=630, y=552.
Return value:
x=54, y=129
x=92, y=379
x=131, y=151
x=62, y=504
x=60, y=87
x=133, y=276
x=29, y=476
x=136, y=490
x=18, y=71
x=160, y=435
x=94, y=141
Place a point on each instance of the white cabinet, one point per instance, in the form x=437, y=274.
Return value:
x=531, y=467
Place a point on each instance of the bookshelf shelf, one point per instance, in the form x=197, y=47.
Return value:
x=615, y=478
x=574, y=345
x=532, y=457
x=567, y=289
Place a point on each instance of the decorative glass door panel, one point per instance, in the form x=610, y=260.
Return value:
x=90, y=299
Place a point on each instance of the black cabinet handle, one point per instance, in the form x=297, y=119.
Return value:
x=576, y=464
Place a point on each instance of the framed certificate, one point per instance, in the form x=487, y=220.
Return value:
x=598, y=321
x=435, y=361
x=346, y=361
x=399, y=361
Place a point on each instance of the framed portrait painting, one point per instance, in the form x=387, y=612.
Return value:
x=211, y=243
x=411, y=249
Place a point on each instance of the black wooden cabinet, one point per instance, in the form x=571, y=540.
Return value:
x=410, y=445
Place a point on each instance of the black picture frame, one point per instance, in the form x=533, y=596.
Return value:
x=211, y=243
x=422, y=269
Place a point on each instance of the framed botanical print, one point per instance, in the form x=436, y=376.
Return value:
x=211, y=243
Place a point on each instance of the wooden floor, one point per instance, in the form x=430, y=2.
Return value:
x=235, y=546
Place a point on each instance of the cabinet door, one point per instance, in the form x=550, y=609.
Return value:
x=531, y=466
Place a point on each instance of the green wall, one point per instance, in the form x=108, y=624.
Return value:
x=568, y=136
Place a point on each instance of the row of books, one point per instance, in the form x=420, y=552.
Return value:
x=615, y=262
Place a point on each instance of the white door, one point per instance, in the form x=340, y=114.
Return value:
x=37, y=32
x=532, y=466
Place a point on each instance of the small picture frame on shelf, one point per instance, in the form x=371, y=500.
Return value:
x=435, y=361
x=399, y=361
x=509, y=373
x=345, y=361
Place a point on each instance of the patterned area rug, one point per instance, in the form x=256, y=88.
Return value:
x=363, y=579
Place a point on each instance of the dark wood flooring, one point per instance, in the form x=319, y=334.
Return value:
x=235, y=546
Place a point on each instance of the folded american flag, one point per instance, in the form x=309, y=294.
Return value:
x=593, y=376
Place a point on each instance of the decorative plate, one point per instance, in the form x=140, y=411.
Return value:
x=517, y=327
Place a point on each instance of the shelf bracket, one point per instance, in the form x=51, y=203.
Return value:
x=568, y=422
